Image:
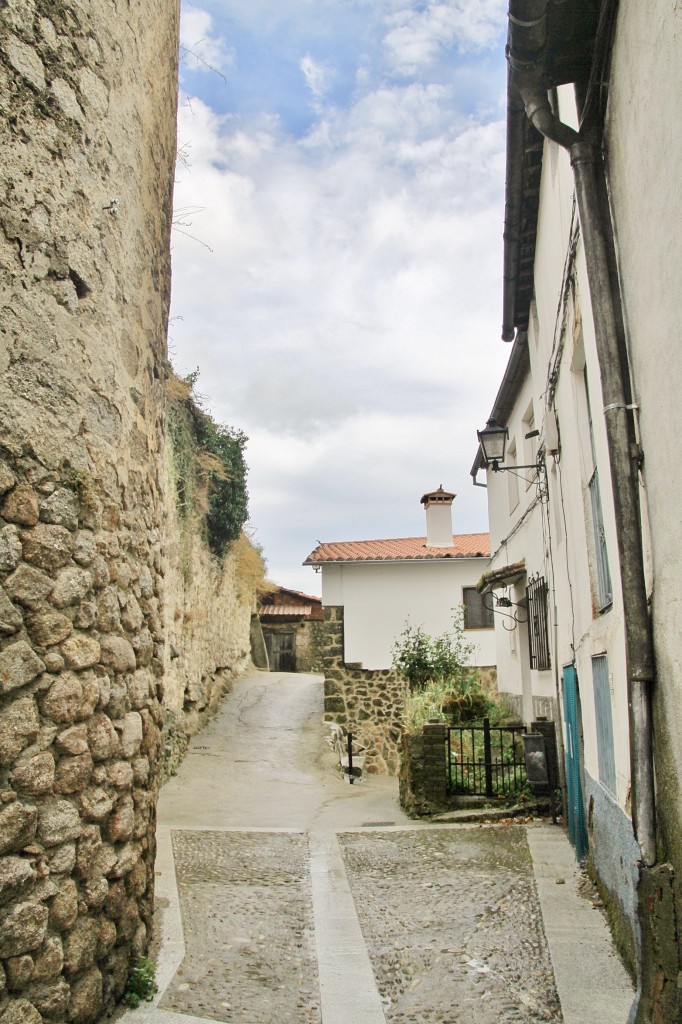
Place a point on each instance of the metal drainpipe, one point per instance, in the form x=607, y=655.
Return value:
x=585, y=159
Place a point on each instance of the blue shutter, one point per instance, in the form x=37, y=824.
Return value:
x=575, y=807
x=604, y=719
x=604, y=588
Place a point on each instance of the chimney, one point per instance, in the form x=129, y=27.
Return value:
x=438, y=505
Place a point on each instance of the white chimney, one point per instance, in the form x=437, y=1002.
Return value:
x=438, y=505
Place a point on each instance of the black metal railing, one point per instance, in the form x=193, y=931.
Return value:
x=486, y=760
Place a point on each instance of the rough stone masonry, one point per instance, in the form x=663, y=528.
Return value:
x=87, y=123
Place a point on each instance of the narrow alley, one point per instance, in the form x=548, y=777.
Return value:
x=286, y=895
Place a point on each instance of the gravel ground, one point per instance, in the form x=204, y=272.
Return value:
x=247, y=918
x=453, y=925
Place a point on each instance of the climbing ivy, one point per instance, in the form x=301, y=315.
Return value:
x=209, y=466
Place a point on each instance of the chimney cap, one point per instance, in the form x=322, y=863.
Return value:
x=439, y=497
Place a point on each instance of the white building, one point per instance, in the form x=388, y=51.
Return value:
x=593, y=253
x=423, y=581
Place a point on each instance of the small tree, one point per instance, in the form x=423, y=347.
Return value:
x=441, y=680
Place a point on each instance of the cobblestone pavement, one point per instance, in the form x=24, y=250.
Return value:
x=287, y=896
x=453, y=925
x=247, y=917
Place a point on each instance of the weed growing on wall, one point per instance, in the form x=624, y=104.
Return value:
x=209, y=467
x=251, y=568
x=141, y=983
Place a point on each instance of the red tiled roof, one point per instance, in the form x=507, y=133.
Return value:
x=299, y=610
x=299, y=593
x=466, y=545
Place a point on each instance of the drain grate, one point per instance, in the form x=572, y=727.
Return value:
x=376, y=824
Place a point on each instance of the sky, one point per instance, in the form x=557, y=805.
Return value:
x=337, y=255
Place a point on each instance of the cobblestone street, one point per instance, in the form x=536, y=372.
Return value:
x=453, y=925
x=286, y=895
x=246, y=909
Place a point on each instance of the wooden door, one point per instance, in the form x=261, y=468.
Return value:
x=281, y=648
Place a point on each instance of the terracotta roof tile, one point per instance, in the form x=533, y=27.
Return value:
x=275, y=610
x=299, y=593
x=466, y=545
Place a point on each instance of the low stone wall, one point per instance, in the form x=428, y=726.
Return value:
x=305, y=646
x=543, y=707
x=369, y=703
x=424, y=770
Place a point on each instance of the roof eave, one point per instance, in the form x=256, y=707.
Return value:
x=385, y=561
x=553, y=43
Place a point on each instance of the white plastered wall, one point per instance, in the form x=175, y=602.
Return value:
x=379, y=598
x=557, y=540
x=644, y=157
x=516, y=535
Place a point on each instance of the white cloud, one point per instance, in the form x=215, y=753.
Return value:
x=316, y=75
x=418, y=37
x=200, y=49
x=348, y=317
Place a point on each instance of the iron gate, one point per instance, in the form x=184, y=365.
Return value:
x=486, y=760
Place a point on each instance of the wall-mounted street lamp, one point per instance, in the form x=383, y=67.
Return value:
x=493, y=440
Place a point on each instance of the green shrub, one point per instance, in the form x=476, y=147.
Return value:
x=209, y=466
x=421, y=659
x=141, y=983
x=441, y=681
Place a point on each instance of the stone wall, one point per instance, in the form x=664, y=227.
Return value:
x=369, y=703
x=424, y=770
x=87, y=123
x=305, y=638
x=543, y=707
x=207, y=622
x=305, y=646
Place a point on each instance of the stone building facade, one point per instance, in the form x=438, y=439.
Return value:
x=291, y=623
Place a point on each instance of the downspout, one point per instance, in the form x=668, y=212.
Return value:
x=516, y=116
x=623, y=454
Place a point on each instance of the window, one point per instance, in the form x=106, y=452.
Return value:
x=602, y=709
x=538, y=636
x=512, y=479
x=530, y=443
x=604, y=588
x=476, y=613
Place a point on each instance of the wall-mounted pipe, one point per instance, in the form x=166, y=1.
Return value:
x=516, y=116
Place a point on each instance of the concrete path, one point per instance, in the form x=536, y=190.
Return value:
x=590, y=979
x=264, y=915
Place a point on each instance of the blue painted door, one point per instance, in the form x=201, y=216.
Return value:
x=575, y=805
